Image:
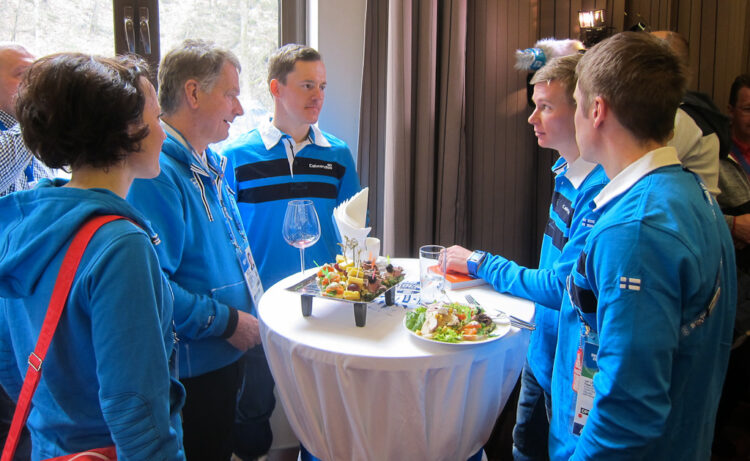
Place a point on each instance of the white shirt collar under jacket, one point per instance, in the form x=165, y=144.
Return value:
x=578, y=171
x=661, y=157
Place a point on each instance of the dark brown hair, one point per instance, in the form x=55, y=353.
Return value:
x=742, y=81
x=77, y=109
x=281, y=62
x=639, y=77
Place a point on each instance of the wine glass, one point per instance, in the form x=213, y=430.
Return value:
x=301, y=227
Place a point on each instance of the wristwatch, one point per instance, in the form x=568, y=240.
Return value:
x=475, y=260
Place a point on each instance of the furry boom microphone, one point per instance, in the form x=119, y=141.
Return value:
x=532, y=59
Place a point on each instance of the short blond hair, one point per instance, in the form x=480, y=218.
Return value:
x=640, y=78
x=563, y=70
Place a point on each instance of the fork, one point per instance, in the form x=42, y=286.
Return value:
x=514, y=321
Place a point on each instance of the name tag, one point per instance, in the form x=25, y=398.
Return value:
x=585, y=384
x=252, y=278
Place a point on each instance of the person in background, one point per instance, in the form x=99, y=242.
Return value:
x=106, y=379
x=701, y=134
x=734, y=200
x=577, y=182
x=204, y=251
x=19, y=170
x=284, y=159
x=646, y=321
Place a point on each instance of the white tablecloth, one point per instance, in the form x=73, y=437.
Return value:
x=378, y=393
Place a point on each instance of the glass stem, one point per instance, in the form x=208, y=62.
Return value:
x=302, y=259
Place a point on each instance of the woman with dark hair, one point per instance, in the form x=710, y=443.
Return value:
x=106, y=378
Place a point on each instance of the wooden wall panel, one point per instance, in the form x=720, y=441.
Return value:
x=500, y=144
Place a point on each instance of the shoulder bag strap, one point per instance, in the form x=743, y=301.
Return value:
x=60, y=292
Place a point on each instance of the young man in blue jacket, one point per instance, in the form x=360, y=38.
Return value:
x=577, y=182
x=646, y=323
x=204, y=251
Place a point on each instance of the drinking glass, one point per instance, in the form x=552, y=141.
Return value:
x=301, y=227
x=431, y=273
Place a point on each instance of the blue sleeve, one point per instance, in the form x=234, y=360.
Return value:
x=134, y=378
x=544, y=286
x=10, y=378
x=638, y=338
x=196, y=315
x=14, y=156
x=350, y=181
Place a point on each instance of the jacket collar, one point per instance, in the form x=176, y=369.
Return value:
x=658, y=158
x=189, y=156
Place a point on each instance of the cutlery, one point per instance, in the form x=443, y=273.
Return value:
x=514, y=321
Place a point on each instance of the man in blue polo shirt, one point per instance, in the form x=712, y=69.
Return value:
x=289, y=158
x=646, y=323
x=577, y=182
x=286, y=158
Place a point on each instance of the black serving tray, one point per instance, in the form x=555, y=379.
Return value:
x=308, y=289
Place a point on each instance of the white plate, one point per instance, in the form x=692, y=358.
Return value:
x=501, y=329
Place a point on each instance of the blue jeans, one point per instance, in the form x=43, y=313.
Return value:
x=531, y=431
x=252, y=435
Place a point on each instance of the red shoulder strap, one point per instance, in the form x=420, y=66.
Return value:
x=60, y=292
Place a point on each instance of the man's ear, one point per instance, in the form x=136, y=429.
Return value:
x=191, y=88
x=273, y=86
x=599, y=111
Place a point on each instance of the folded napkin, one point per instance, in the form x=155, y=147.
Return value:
x=350, y=218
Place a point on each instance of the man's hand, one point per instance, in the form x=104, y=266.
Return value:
x=247, y=334
x=456, y=259
x=741, y=228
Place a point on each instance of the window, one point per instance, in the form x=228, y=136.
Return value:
x=250, y=28
x=53, y=26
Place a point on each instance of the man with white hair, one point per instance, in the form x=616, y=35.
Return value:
x=19, y=169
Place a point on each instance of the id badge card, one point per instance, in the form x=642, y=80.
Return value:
x=585, y=384
x=252, y=278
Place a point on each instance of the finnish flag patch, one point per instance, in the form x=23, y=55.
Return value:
x=586, y=222
x=630, y=283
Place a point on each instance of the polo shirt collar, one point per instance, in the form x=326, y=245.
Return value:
x=272, y=135
x=658, y=158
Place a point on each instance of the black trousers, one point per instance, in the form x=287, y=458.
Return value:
x=208, y=414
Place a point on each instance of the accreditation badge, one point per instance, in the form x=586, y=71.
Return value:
x=585, y=382
x=252, y=278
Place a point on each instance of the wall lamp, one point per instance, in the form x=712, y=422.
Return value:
x=593, y=26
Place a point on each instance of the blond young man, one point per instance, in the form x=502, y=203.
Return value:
x=577, y=182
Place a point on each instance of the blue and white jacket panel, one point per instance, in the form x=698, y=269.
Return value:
x=643, y=283
x=570, y=220
x=259, y=170
x=106, y=378
x=193, y=211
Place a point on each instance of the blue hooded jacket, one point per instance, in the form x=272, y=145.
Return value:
x=106, y=377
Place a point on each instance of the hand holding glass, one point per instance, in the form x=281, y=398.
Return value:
x=301, y=227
